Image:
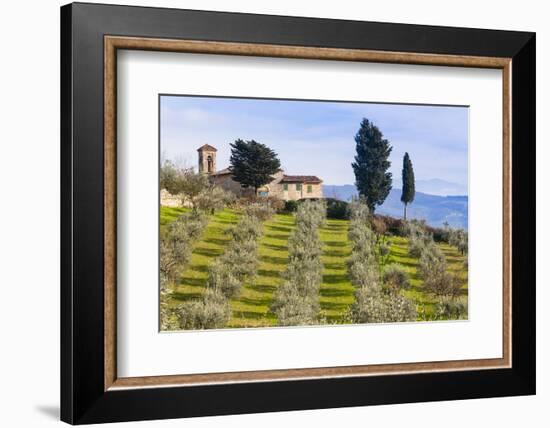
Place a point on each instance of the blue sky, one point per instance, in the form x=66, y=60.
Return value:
x=317, y=138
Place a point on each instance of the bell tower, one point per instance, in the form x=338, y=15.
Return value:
x=207, y=159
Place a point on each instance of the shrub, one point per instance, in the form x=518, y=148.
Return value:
x=444, y=284
x=248, y=227
x=396, y=278
x=306, y=275
x=384, y=249
x=439, y=234
x=277, y=204
x=419, y=237
x=294, y=307
x=433, y=269
x=363, y=272
x=358, y=211
x=223, y=278
x=183, y=182
x=212, y=311
x=337, y=209
x=291, y=206
x=242, y=258
x=168, y=316
x=416, y=246
x=378, y=225
x=260, y=210
x=375, y=307
x=176, y=243
x=394, y=226
x=213, y=198
x=360, y=235
x=311, y=214
x=451, y=310
x=459, y=238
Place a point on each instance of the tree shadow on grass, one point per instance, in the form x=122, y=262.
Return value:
x=263, y=288
x=193, y=282
x=208, y=252
x=335, y=227
x=273, y=260
x=250, y=315
x=335, y=266
x=335, y=292
x=335, y=278
x=404, y=263
x=275, y=247
x=333, y=306
x=255, y=302
x=223, y=221
x=275, y=228
x=269, y=273
x=334, y=253
x=216, y=241
x=186, y=297
x=337, y=244
x=279, y=236
x=199, y=268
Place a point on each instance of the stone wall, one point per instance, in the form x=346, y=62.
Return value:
x=169, y=200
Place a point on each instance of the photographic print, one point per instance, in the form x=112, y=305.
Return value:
x=279, y=212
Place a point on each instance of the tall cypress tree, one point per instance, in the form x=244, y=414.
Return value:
x=372, y=179
x=407, y=174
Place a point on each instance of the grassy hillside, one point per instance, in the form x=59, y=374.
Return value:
x=251, y=308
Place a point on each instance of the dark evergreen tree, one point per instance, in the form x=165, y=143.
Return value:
x=252, y=164
x=407, y=195
x=372, y=179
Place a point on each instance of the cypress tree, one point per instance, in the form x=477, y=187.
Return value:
x=252, y=164
x=407, y=195
x=372, y=179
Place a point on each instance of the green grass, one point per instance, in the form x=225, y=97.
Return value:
x=252, y=307
x=337, y=292
x=169, y=214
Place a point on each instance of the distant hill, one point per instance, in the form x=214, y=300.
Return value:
x=435, y=186
x=434, y=209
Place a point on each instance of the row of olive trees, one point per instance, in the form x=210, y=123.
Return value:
x=377, y=296
x=458, y=238
x=176, y=245
x=433, y=270
x=297, y=299
x=433, y=266
x=228, y=273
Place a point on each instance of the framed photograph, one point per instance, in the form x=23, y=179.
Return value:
x=266, y=213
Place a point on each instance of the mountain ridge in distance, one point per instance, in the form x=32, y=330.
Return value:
x=435, y=209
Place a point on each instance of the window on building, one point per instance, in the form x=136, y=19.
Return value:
x=285, y=187
x=298, y=186
x=309, y=188
x=210, y=164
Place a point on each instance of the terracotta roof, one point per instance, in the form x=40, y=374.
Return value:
x=222, y=172
x=207, y=147
x=300, y=179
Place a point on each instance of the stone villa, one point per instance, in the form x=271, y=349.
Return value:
x=286, y=187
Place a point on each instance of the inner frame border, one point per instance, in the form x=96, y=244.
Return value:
x=113, y=43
